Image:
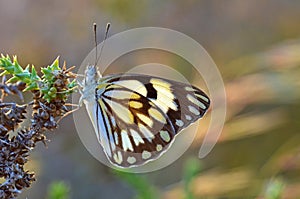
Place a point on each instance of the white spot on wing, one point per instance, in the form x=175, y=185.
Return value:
x=133, y=85
x=146, y=155
x=120, y=94
x=145, y=119
x=157, y=115
x=158, y=147
x=195, y=101
x=188, y=88
x=160, y=104
x=188, y=117
x=136, y=137
x=165, y=136
x=179, y=123
x=165, y=97
x=193, y=110
x=126, y=141
x=116, y=138
x=202, y=97
x=118, y=157
x=131, y=160
x=148, y=134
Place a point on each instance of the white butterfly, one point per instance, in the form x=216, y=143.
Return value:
x=136, y=117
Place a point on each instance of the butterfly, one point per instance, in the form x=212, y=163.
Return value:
x=137, y=117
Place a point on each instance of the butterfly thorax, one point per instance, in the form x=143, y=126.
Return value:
x=89, y=84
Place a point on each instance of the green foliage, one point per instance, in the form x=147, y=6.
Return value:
x=12, y=67
x=191, y=170
x=47, y=84
x=274, y=189
x=58, y=190
x=143, y=188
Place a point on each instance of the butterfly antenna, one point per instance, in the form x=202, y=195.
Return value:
x=105, y=37
x=96, y=43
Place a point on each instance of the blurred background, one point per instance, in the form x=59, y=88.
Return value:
x=255, y=44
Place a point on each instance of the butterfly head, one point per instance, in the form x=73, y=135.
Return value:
x=91, y=75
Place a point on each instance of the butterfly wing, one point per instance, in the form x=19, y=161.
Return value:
x=138, y=116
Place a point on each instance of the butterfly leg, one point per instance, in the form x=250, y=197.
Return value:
x=70, y=112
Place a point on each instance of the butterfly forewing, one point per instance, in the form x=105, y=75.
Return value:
x=181, y=102
x=139, y=115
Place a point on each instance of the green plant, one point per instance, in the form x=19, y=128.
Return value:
x=274, y=189
x=50, y=92
x=191, y=170
x=143, y=188
x=58, y=190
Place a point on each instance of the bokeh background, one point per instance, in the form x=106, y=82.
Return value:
x=256, y=45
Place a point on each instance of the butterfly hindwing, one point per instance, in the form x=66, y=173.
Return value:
x=136, y=130
x=139, y=115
